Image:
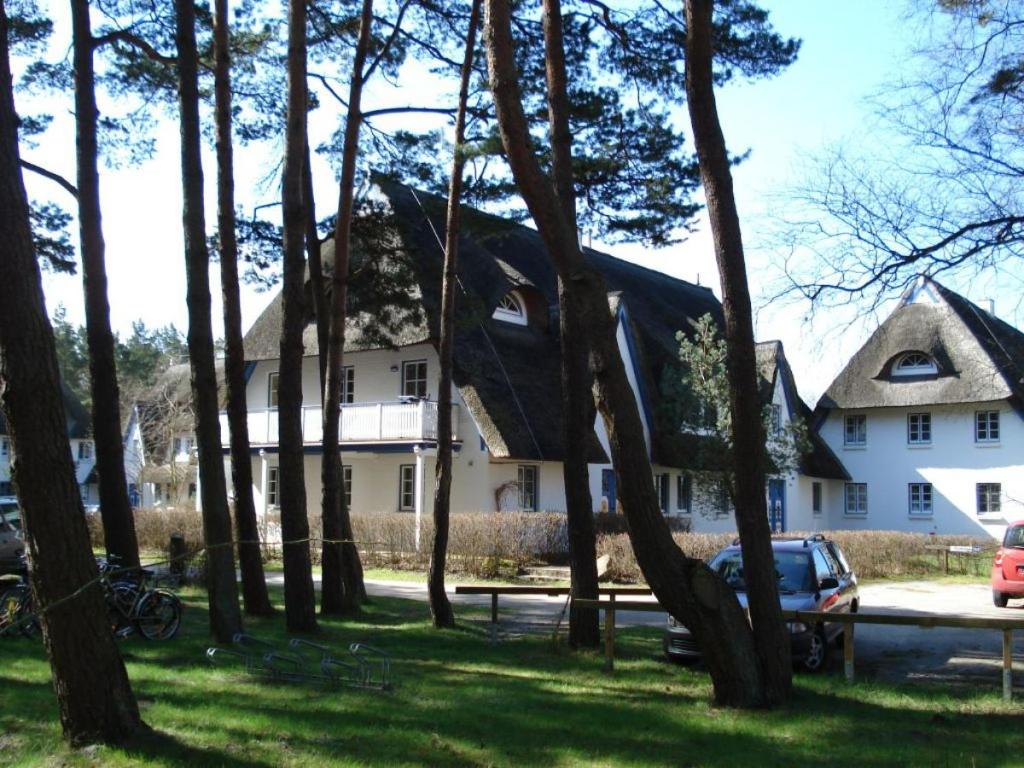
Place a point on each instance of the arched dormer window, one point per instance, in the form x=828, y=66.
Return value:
x=511, y=309
x=914, y=364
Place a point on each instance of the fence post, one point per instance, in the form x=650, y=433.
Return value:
x=494, y=617
x=609, y=634
x=848, y=652
x=176, y=553
x=1007, y=665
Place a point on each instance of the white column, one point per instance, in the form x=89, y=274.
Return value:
x=264, y=473
x=199, y=479
x=419, y=492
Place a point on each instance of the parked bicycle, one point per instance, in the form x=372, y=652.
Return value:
x=16, y=613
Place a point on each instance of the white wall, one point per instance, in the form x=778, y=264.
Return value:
x=953, y=463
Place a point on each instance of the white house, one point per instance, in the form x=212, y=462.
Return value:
x=926, y=417
x=506, y=394
x=83, y=450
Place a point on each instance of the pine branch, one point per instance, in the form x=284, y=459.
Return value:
x=55, y=177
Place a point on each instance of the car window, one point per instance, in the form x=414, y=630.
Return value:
x=823, y=567
x=793, y=570
x=1014, y=536
x=837, y=553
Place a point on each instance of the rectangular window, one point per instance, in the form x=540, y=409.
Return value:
x=407, y=487
x=856, y=430
x=920, y=499
x=986, y=427
x=990, y=498
x=273, y=477
x=684, y=493
x=85, y=450
x=527, y=487
x=816, y=498
x=919, y=428
x=272, y=381
x=348, y=384
x=5, y=446
x=776, y=425
x=158, y=492
x=414, y=379
x=661, y=488
x=346, y=474
x=856, y=498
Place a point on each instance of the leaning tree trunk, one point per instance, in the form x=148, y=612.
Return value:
x=685, y=586
x=577, y=403
x=440, y=607
x=225, y=617
x=254, y=585
x=94, y=697
x=770, y=636
x=115, y=508
x=347, y=592
x=299, y=598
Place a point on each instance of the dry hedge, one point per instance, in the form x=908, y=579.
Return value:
x=491, y=544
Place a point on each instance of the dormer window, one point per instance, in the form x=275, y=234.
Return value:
x=511, y=309
x=914, y=364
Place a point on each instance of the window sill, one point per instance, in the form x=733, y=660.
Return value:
x=918, y=446
x=992, y=518
x=987, y=444
x=920, y=515
x=855, y=514
x=855, y=447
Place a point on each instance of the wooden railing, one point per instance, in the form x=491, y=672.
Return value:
x=1006, y=626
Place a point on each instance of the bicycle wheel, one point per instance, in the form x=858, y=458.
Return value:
x=158, y=615
x=9, y=604
x=16, y=610
x=120, y=599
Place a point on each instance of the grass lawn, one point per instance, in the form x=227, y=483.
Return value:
x=458, y=700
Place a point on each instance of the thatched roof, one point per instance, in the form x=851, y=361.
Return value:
x=507, y=374
x=979, y=357
x=78, y=419
x=772, y=365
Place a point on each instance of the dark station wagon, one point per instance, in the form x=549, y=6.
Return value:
x=813, y=575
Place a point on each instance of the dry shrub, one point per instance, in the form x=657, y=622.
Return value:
x=872, y=554
x=154, y=527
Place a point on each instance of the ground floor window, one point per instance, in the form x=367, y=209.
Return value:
x=920, y=499
x=527, y=486
x=816, y=498
x=407, y=487
x=346, y=474
x=856, y=498
x=273, y=476
x=990, y=498
x=684, y=493
x=661, y=488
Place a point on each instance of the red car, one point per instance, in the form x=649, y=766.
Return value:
x=1008, y=568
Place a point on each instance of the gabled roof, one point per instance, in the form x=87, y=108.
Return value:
x=979, y=357
x=78, y=419
x=774, y=368
x=507, y=374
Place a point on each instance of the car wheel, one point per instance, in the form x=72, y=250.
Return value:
x=999, y=598
x=817, y=653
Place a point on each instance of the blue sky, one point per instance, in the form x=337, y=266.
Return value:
x=849, y=51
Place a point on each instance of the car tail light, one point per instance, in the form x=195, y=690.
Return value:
x=999, y=557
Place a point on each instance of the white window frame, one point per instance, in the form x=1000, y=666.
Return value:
x=919, y=429
x=919, y=499
x=420, y=382
x=914, y=364
x=776, y=418
x=346, y=476
x=273, y=389
x=406, y=487
x=684, y=493
x=348, y=384
x=528, y=480
x=84, y=450
x=986, y=424
x=511, y=309
x=273, y=486
x=989, y=499
x=860, y=431
x=858, y=494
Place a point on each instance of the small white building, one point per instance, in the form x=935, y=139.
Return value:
x=926, y=417
x=83, y=450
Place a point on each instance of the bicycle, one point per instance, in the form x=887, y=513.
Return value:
x=16, y=613
x=133, y=606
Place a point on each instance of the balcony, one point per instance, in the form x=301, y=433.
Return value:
x=391, y=422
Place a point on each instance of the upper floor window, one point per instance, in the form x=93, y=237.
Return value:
x=183, y=445
x=414, y=378
x=919, y=428
x=986, y=427
x=990, y=498
x=914, y=364
x=85, y=450
x=511, y=309
x=856, y=432
x=776, y=418
x=272, y=381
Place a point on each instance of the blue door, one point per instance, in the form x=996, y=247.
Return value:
x=777, y=505
x=608, y=487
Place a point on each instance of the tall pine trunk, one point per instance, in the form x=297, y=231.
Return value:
x=254, y=586
x=577, y=401
x=770, y=636
x=316, y=269
x=115, y=509
x=299, y=598
x=440, y=607
x=685, y=586
x=225, y=617
x=94, y=697
x=343, y=588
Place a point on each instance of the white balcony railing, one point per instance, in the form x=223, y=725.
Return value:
x=360, y=423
